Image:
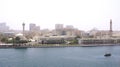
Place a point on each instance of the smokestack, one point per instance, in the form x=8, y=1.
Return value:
x=110, y=27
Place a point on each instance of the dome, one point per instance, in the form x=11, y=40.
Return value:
x=19, y=34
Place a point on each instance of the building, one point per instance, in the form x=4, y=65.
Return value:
x=55, y=39
x=3, y=27
x=33, y=27
x=95, y=41
x=9, y=34
x=69, y=27
x=93, y=33
x=38, y=28
x=59, y=26
x=59, y=29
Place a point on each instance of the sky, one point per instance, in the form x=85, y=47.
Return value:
x=82, y=14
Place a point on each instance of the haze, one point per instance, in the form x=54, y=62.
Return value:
x=82, y=14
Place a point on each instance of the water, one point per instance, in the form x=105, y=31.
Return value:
x=60, y=57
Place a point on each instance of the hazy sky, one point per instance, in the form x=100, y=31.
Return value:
x=82, y=14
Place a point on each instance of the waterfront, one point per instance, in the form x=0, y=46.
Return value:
x=60, y=57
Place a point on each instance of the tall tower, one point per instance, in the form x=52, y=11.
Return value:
x=110, y=27
x=23, y=28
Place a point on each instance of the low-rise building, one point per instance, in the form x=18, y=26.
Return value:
x=55, y=39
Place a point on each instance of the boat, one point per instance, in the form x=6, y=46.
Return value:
x=107, y=55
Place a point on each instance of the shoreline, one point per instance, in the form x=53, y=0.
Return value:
x=56, y=46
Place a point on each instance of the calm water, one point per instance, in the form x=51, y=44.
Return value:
x=60, y=57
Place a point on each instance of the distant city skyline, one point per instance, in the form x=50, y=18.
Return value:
x=82, y=14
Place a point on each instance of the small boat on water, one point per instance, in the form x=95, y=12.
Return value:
x=107, y=55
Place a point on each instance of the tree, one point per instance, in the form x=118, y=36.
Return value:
x=75, y=40
x=4, y=40
x=17, y=38
x=19, y=41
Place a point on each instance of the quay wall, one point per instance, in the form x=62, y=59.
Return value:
x=55, y=46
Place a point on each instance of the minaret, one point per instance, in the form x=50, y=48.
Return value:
x=110, y=28
x=23, y=28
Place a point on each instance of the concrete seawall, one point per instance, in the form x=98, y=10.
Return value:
x=56, y=46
